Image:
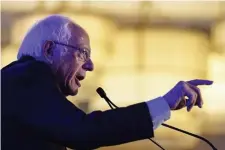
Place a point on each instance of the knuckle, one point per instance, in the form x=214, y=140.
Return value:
x=198, y=90
x=192, y=94
x=182, y=84
x=195, y=95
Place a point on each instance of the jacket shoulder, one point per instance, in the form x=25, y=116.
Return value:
x=21, y=79
x=28, y=69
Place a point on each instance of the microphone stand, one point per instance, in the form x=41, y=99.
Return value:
x=191, y=134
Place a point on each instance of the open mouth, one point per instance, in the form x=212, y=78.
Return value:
x=78, y=79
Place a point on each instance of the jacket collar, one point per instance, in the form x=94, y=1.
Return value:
x=26, y=58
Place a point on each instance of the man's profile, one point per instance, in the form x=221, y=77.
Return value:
x=53, y=59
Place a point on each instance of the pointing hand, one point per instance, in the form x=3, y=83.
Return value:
x=176, y=97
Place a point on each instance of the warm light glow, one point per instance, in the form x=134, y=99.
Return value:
x=215, y=95
x=121, y=88
x=118, y=7
x=178, y=51
x=214, y=99
x=8, y=55
x=157, y=84
x=216, y=66
x=171, y=56
x=73, y=5
x=22, y=26
x=125, y=50
x=218, y=36
x=187, y=9
x=52, y=5
x=98, y=28
x=19, y=6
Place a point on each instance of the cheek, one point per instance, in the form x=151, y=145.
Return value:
x=70, y=64
x=73, y=65
x=78, y=63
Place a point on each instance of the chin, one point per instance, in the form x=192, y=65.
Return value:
x=72, y=88
x=70, y=91
x=74, y=92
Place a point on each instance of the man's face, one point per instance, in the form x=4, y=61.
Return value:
x=71, y=64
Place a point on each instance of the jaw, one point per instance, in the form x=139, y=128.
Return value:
x=69, y=88
x=72, y=87
x=73, y=93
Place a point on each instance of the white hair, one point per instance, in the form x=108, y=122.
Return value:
x=54, y=28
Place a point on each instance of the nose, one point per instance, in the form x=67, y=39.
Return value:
x=88, y=66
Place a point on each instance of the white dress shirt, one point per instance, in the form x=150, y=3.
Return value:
x=159, y=111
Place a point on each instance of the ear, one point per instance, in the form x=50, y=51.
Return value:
x=48, y=48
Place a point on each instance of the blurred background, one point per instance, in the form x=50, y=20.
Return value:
x=141, y=49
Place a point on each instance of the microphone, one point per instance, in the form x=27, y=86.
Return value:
x=103, y=95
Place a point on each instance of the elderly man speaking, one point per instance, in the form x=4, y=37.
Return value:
x=53, y=58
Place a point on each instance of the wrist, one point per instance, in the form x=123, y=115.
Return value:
x=166, y=99
x=159, y=111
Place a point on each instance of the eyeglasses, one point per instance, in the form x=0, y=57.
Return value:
x=85, y=53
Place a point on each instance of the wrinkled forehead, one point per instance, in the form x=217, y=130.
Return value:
x=79, y=37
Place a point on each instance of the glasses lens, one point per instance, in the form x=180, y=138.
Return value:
x=85, y=54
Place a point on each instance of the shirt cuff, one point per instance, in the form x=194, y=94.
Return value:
x=159, y=111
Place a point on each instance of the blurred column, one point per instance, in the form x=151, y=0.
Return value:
x=216, y=72
x=188, y=10
x=218, y=37
x=19, y=6
x=215, y=95
x=172, y=55
x=8, y=55
x=120, y=76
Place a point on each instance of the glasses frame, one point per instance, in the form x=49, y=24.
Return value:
x=84, y=51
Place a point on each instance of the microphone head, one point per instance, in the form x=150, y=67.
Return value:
x=101, y=92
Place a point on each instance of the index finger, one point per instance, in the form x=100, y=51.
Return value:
x=197, y=82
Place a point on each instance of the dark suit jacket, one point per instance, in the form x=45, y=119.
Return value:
x=36, y=116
